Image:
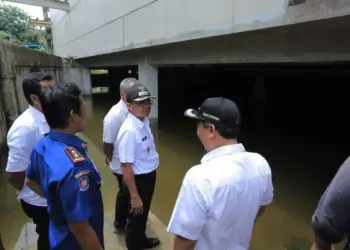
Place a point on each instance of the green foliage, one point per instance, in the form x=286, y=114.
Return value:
x=14, y=22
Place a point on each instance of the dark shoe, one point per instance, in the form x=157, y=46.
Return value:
x=151, y=243
x=119, y=230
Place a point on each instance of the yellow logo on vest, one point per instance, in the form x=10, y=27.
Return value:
x=84, y=183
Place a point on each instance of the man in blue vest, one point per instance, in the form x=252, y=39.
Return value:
x=62, y=171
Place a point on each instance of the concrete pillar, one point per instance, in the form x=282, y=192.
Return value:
x=259, y=101
x=148, y=76
x=80, y=76
x=89, y=104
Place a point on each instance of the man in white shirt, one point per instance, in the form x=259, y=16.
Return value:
x=221, y=198
x=111, y=125
x=139, y=161
x=27, y=129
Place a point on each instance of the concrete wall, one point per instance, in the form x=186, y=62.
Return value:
x=14, y=65
x=319, y=41
x=98, y=27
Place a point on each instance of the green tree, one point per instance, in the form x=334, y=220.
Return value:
x=13, y=20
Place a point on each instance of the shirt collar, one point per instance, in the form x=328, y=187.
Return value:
x=37, y=114
x=71, y=140
x=140, y=123
x=224, y=150
x=123, y=106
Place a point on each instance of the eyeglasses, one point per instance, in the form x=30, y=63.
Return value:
x=144, y=102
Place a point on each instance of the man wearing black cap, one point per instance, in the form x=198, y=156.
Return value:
x=139, y=161
x=221, y=198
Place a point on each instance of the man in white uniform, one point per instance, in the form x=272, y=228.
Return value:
x=139, y=161
x=27, y=129
x=220, y=198
x=111, y=125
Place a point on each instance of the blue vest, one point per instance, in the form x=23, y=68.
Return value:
x=71, y=184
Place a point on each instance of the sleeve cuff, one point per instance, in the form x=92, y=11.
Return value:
x=16, y=167
x=178, y=229
x=325, y=233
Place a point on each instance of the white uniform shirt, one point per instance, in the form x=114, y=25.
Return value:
x=135, y=144
x=25, y=132
x=219, y=199
x=111, y=125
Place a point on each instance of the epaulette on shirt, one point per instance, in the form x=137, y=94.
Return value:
x=74, y=154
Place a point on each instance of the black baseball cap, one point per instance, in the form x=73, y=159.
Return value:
x=137, y=93
x=218, y=111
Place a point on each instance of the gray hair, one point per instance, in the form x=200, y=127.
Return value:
x=127, y=83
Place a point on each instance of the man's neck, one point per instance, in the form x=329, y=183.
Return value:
x=65, y=131
x=227, y=142
x=140, y=118
x=36, y=108
x=224, y=142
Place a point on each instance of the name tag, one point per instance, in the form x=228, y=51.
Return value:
x=144, y=138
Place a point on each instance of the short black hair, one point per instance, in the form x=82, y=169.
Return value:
x=227, y=133
x=31, y=85
x=57, y=103
x=46, y=78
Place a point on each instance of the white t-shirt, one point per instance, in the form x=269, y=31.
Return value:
x=219, y=199
x=24, y=133
x=111, y=125
x=135, y=144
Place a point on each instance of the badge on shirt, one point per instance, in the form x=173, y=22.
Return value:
x=84, y=183
x=74, y=154
x=81, y=173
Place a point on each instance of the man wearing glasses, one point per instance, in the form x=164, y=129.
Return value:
x=139, y=160
x=111, y=125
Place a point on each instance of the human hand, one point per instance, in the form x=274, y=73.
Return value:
x=107, y=162
x=315, y=247
x=136, y=205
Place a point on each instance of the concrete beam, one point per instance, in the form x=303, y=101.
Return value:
x=41, y=23
x=52, y=4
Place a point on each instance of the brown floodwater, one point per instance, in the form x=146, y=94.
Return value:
x=296, y=171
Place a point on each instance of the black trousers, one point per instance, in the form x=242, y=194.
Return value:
x=40, y=218
x=135, y=234
x=121, y=204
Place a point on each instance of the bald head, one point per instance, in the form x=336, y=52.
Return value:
x=125, y=85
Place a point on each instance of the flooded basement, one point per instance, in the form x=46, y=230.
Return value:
x=301, y=171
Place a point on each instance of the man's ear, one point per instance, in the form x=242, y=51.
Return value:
x=72, y=115
x=34, y=98
x=212, y=131
x=129, y=105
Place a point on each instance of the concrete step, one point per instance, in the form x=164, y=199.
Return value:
x=155, y=228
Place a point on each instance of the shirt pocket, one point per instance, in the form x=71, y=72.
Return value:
x=145, y=145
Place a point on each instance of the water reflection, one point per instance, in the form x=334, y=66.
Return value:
x=285, y=224
x=12, y=218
